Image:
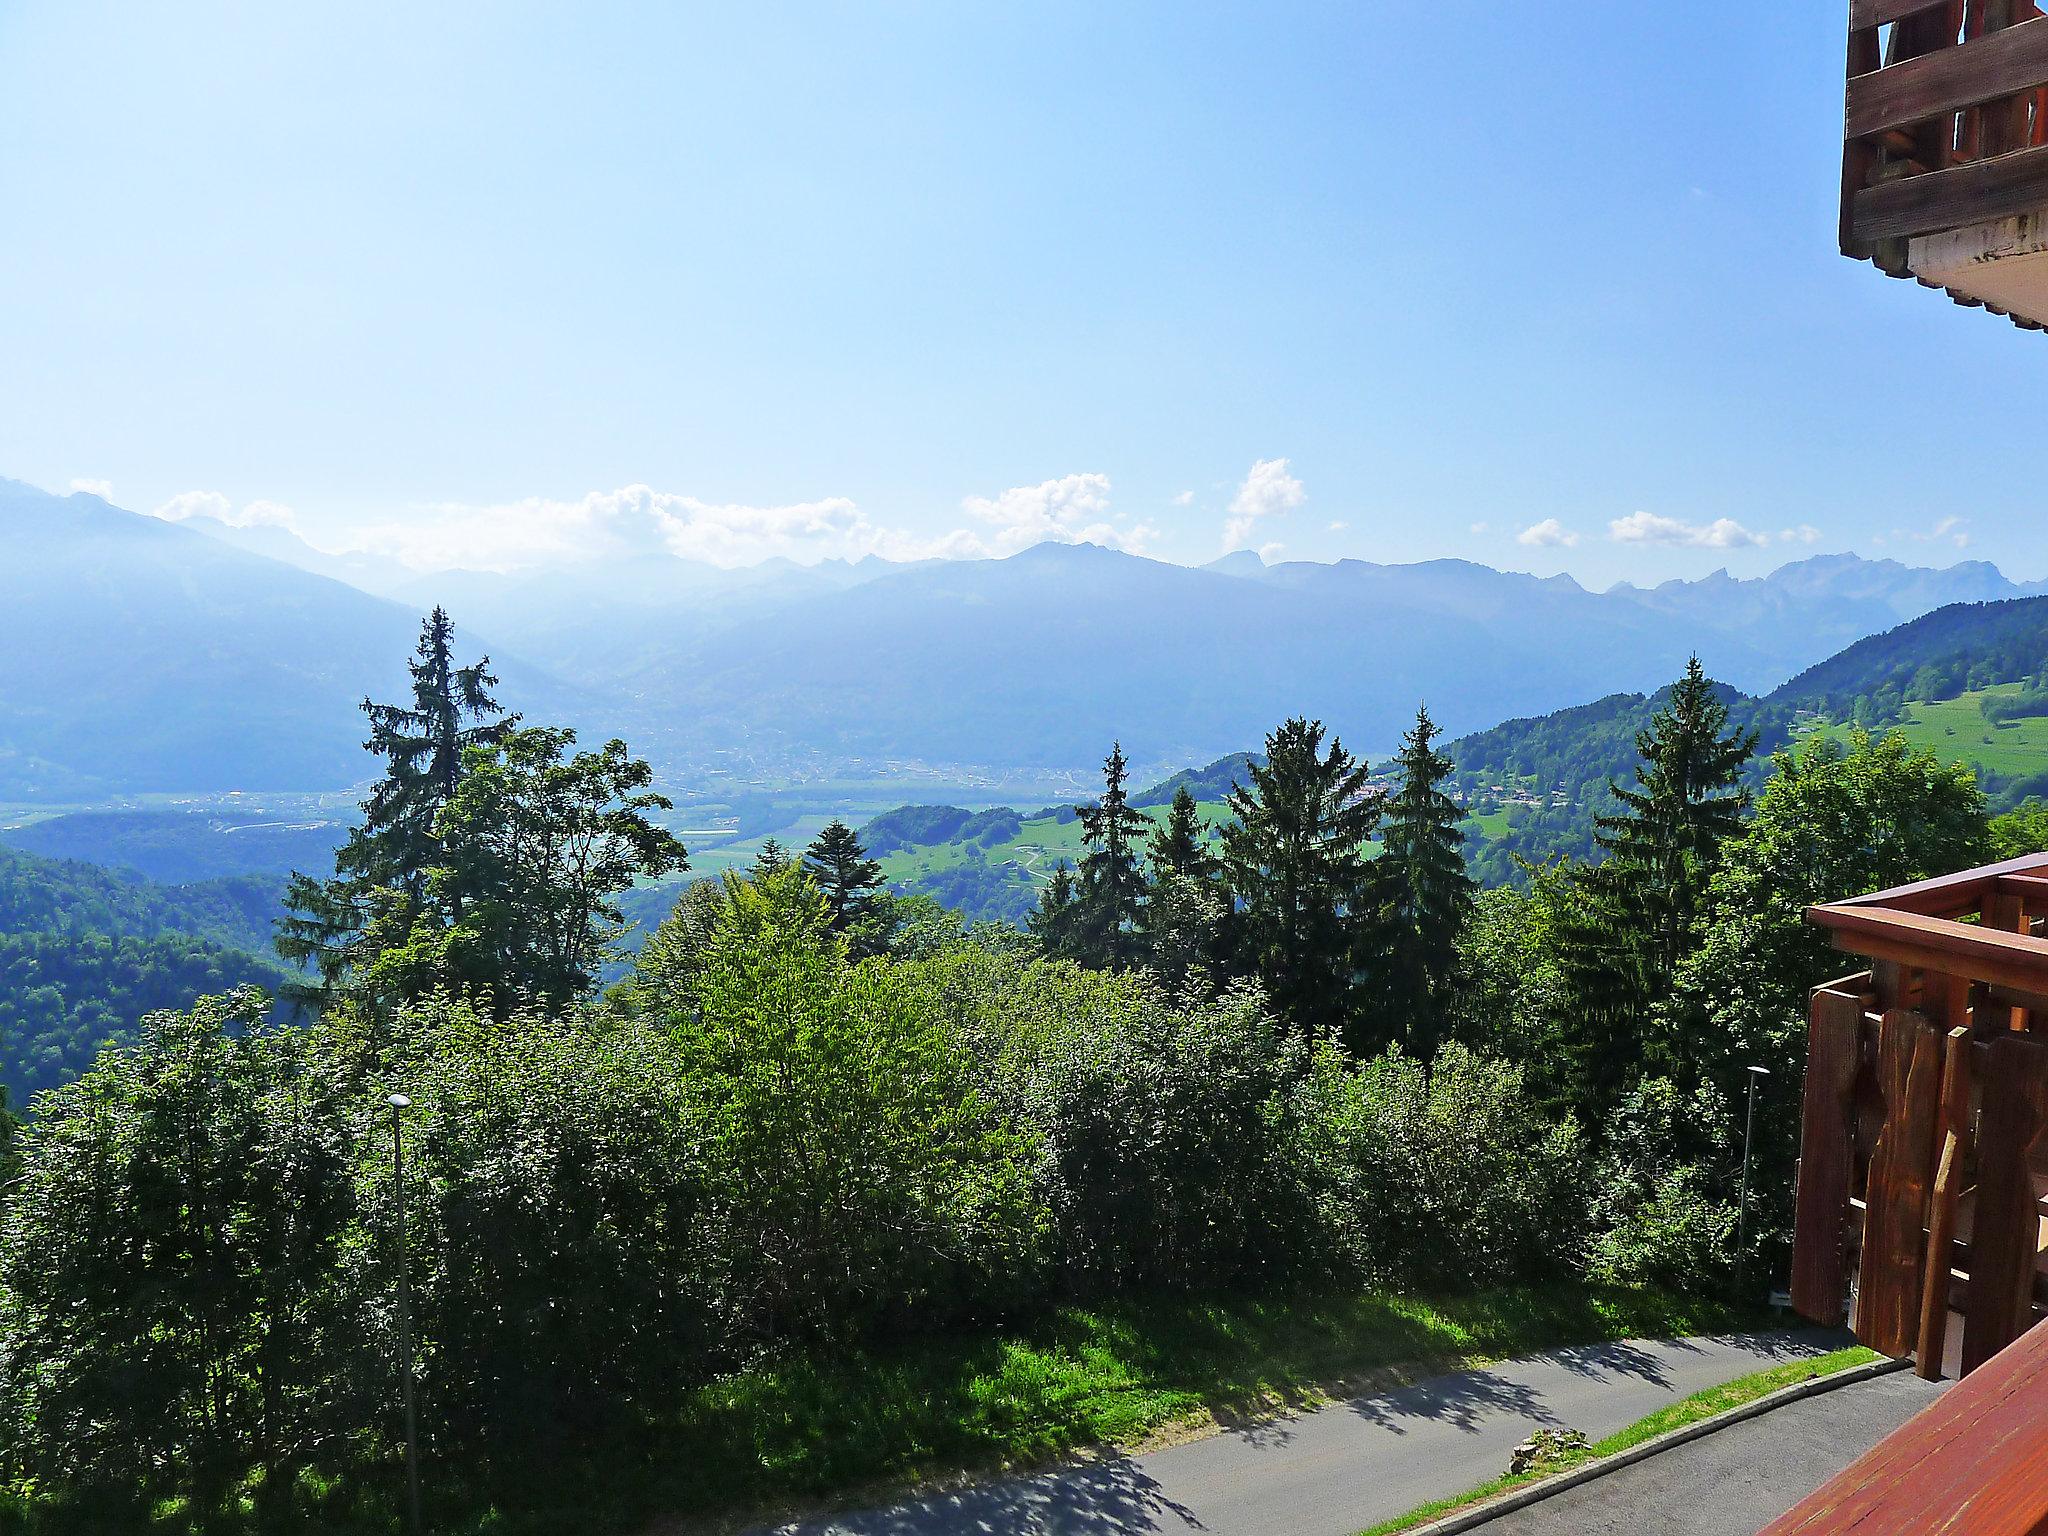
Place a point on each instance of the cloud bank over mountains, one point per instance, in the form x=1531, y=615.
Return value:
x=640, y=521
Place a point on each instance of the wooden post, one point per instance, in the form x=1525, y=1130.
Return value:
x=1941, y=1209
x=1893, y=1265
x=1827, y=1156
x=2005, y=1236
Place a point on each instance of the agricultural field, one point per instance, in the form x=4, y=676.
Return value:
x=993, y=864
x=1957, y=730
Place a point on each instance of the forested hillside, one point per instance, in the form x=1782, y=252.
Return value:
x=1247, y=1060
x=69, y=896
x=179, y=847
x=86, y=952
x=1532, y=786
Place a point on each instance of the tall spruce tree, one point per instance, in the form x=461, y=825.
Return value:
x=1424, y=894
x=1112, y=883
x=1624, y=925
x=849, y=879
x=379, y=889
x=1296, y=859
x=1180, y=844
x=1185, y=920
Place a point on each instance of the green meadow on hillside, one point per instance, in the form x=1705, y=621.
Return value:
x=995, y=867
x=1958, y=730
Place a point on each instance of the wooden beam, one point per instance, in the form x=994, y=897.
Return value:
x=1880, y=13
x=1948, y=80
x=1983, y=954
x=1966, y=883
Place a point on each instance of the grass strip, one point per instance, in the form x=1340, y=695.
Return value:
x=1711, y=1403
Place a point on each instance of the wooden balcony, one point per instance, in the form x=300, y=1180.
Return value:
x=1945, y=149
x=1924, y=1144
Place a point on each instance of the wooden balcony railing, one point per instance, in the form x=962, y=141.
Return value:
x=1925, y=1130
x=1945, y=128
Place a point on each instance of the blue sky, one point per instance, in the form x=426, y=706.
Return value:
x=501, y=284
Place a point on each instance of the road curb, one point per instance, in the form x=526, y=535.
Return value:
x=1536, y=1493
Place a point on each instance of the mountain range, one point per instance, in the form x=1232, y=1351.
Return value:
x=144, y=655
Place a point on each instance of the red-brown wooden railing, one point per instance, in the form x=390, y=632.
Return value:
x=1926, y=1117
x=1975, y=1463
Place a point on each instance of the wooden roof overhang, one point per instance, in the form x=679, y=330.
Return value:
x=1945, y=149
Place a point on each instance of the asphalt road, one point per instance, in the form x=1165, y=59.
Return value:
x=1735, y=1481
x=1342, y=1468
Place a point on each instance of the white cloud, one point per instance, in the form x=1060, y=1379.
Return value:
x=1482, y=527
x=216, y=506
x=1268, y=491
x=1339, y=526
x=1805, y=533
x=634, y=520
x=104, y=489
x=1548, y=534
x=1949, y=530
x=1653, y=528
x=1071, y=510
x=1184, y=499
x=637, y=520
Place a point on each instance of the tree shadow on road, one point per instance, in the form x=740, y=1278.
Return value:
x=1110, y=1498
x=1460, y=1401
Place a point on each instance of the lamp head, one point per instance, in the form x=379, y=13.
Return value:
x=399, y=1101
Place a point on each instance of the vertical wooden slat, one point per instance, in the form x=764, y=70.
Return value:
x=1895, y=1197
x=1859, y=159
x=1827, y=1157
x=1941, y=1206
x=2005, y=1237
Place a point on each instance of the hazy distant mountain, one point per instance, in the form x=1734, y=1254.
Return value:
x=1043, y=658
x=375, y=574
x=142, y=654
x=593, y=621
x=1811, y=608
x=139, y=654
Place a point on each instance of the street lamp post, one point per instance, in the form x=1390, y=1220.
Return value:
x=1742, y=1208
x=400, y=1103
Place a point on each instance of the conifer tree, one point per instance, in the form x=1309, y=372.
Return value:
x=1624, y=925
x=1424, y=893
x=772, y=859
x=379, y=887
x=1180, y=844
x=1185, y=920
x=1053, y=922
x=1112, y=885
x=1296, y=860
x=1665, y=843
x=849, y=879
